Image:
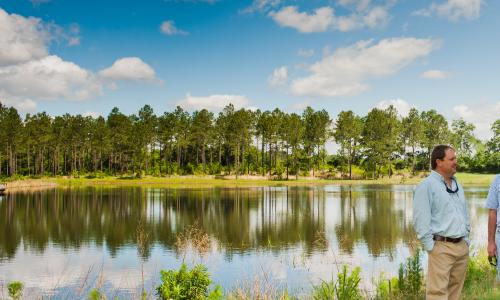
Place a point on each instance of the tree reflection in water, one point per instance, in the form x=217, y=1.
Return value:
x=239, y=219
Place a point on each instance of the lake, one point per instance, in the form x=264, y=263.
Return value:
x=64, y=242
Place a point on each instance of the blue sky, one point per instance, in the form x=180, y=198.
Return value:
x=86, y=57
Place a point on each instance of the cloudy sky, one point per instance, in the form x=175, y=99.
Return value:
x=86, y=57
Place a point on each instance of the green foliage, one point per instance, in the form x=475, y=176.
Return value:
x=411, y=277
x=187, y=284
x=346, y=287
x=95, y=294
x=408, y=285
x=15, y=289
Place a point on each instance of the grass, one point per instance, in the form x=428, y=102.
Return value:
x=481, y=281
x=230, y=181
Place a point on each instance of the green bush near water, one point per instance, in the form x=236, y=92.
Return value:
x=187, y=284
x=408, y=285
x=15, y=289
x=346, y=287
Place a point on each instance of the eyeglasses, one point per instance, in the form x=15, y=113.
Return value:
x=450, y=191
x=492, y=260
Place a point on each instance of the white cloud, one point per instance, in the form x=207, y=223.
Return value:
x=213, y=102
x=481, y=115
x=401, y=106
x=129, y=68
x=434, y=74
x=260, y=5
x=49, y=78
x=343, y=73
x=279, y=77
x=320, y=21
x=305, y=53
x=453, y=10
x=376, y=17
x=324, y=18
x=29, y=73
x=23, y=105
x=168, y=28
x=21, y=39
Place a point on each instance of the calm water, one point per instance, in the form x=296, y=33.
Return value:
x=63, y=242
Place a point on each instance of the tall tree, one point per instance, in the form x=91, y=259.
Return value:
x=412, y=132
x=380, y=137
x=435, y=131
x=463, y=136
x=348, y=129
x=201, y=132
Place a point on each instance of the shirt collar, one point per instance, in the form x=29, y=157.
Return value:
x=438, y=176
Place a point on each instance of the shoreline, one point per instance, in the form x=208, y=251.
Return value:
x=208, y=181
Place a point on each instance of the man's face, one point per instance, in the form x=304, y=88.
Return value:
x=448, y=165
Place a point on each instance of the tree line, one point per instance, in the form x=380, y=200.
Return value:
x=236, y=141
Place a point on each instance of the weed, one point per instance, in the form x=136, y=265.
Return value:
x=15, y=289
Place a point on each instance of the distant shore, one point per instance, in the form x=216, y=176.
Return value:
x=224, y=181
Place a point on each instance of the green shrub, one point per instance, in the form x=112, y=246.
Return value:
x=95, y=294
x=408, y=285
x=187, y=284
x=345, y=287
x=15, y=289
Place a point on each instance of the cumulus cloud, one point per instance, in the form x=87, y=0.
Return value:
x=213, y=102
x=260, y=6
x=434, y=74
x=24, y=105
x=168, y=28
x=128, y=68
x=21, y=39
x=343, y=73
x=401, y=106
x=279, y=77
x=49, y=78
x=324, y=18
x=319, y=21
x=453, y=10
x=482, y=116
x=29, y=73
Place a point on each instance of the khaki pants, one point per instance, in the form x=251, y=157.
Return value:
x=446, y=270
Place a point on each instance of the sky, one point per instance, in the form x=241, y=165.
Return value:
x=86, y=57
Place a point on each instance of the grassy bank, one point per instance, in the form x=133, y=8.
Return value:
x=227, y=181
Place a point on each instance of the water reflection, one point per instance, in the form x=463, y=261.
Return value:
x=350, y=221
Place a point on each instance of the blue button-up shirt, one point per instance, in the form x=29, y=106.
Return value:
x=493, y=199
x=435, y=211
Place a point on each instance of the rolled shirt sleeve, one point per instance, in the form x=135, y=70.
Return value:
x=422, y=215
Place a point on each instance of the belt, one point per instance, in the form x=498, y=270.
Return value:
x=447, y=239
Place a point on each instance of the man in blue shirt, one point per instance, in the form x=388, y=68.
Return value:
x=492, y=202
x=441, y=220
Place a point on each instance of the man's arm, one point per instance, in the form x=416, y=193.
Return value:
x=492, y=226
x=422, y=216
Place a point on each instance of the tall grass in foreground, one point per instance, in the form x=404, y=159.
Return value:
x=481, y=283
